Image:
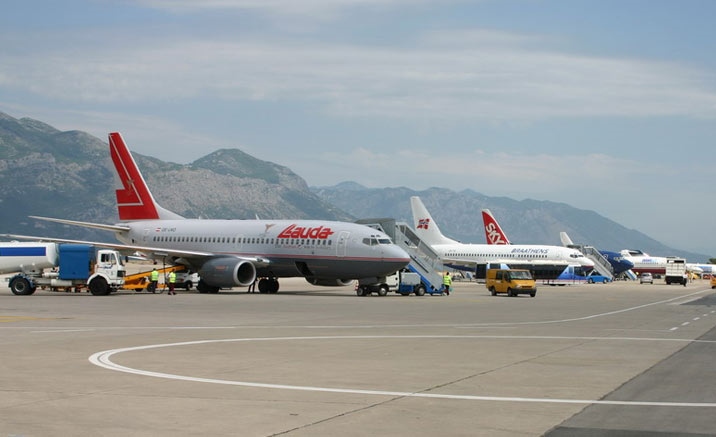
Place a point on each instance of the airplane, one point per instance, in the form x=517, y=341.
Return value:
x=656, y=265
x=495, y=235
x=545, y=262
x=230, y=253
x=645, y=263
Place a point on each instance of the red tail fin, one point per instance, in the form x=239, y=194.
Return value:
x=493, y=232
x=134, y=201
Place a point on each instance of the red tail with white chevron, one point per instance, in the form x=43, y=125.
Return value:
x=134, y=200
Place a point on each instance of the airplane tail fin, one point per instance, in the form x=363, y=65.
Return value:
x=566, y=241
x=425, y=226
x=134, y=200
x=493, y=232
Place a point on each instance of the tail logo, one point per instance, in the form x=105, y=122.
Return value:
x=493, y=234
x=423, y=223
x=134, y=201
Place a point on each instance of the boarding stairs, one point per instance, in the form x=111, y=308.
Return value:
x=601, y=264
x=423, y=259
x=631, y=275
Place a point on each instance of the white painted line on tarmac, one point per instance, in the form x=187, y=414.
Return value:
x=62, y=331
x=103, y=359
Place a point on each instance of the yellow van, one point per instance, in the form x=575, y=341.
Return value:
x=512, y=282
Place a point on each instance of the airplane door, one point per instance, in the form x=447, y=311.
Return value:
x=342, y=243
x=145, y=236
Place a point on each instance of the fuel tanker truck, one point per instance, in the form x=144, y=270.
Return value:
x=61, y=266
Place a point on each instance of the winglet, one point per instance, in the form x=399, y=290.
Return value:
x=134, y=200
x=493, y=232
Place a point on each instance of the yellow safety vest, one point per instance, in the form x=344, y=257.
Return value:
x=447, y=280
x=155, y=275
x=172, y=277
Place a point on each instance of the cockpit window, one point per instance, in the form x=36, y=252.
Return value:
x=374, y=241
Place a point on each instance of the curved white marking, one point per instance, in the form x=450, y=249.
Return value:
x=102, y=359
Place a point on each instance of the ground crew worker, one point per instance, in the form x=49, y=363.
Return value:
x=153, y=280
x=172, y=280
x=447, y=283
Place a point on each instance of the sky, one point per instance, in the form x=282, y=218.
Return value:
x=605, y=105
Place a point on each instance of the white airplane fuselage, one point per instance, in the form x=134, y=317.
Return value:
x=644, y=263
x=548, y=262
x=310, y=248
x=516, y=253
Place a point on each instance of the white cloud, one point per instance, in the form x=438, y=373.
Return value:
x=490, y=82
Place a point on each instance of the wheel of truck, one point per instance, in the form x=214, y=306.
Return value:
x=360, y=291
x=383, y=290
x=98, y=286
x=510, y=292
x=188, y=285
x=493, y=291
x=21, y=287
x=533, y=294
x=420, y=290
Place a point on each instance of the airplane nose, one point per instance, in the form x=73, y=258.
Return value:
x=396, y=256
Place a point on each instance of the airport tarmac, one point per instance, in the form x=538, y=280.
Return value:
x=619, y=359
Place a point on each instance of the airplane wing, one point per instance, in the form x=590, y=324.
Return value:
x=151, y=251
x=113, y=228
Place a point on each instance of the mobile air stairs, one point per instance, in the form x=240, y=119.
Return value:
x=601, y=264
x=423, y=259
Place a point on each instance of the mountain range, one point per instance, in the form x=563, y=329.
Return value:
x=68, y=174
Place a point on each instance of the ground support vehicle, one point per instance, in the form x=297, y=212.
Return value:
x=676, y=271
x=140, y=281
x=598, y=279
x=61, y=266
x=187, y=279
x=646, y=278
x=424, y=262
x=510, y=281
x=402, y=282
x=713, y=281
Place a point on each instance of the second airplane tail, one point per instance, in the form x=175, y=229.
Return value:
x=134, y=200
x=566, y=241
x=493, y=232
x=425, y=226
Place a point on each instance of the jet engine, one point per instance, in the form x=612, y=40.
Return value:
x=228, y=272
x=329, y=282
